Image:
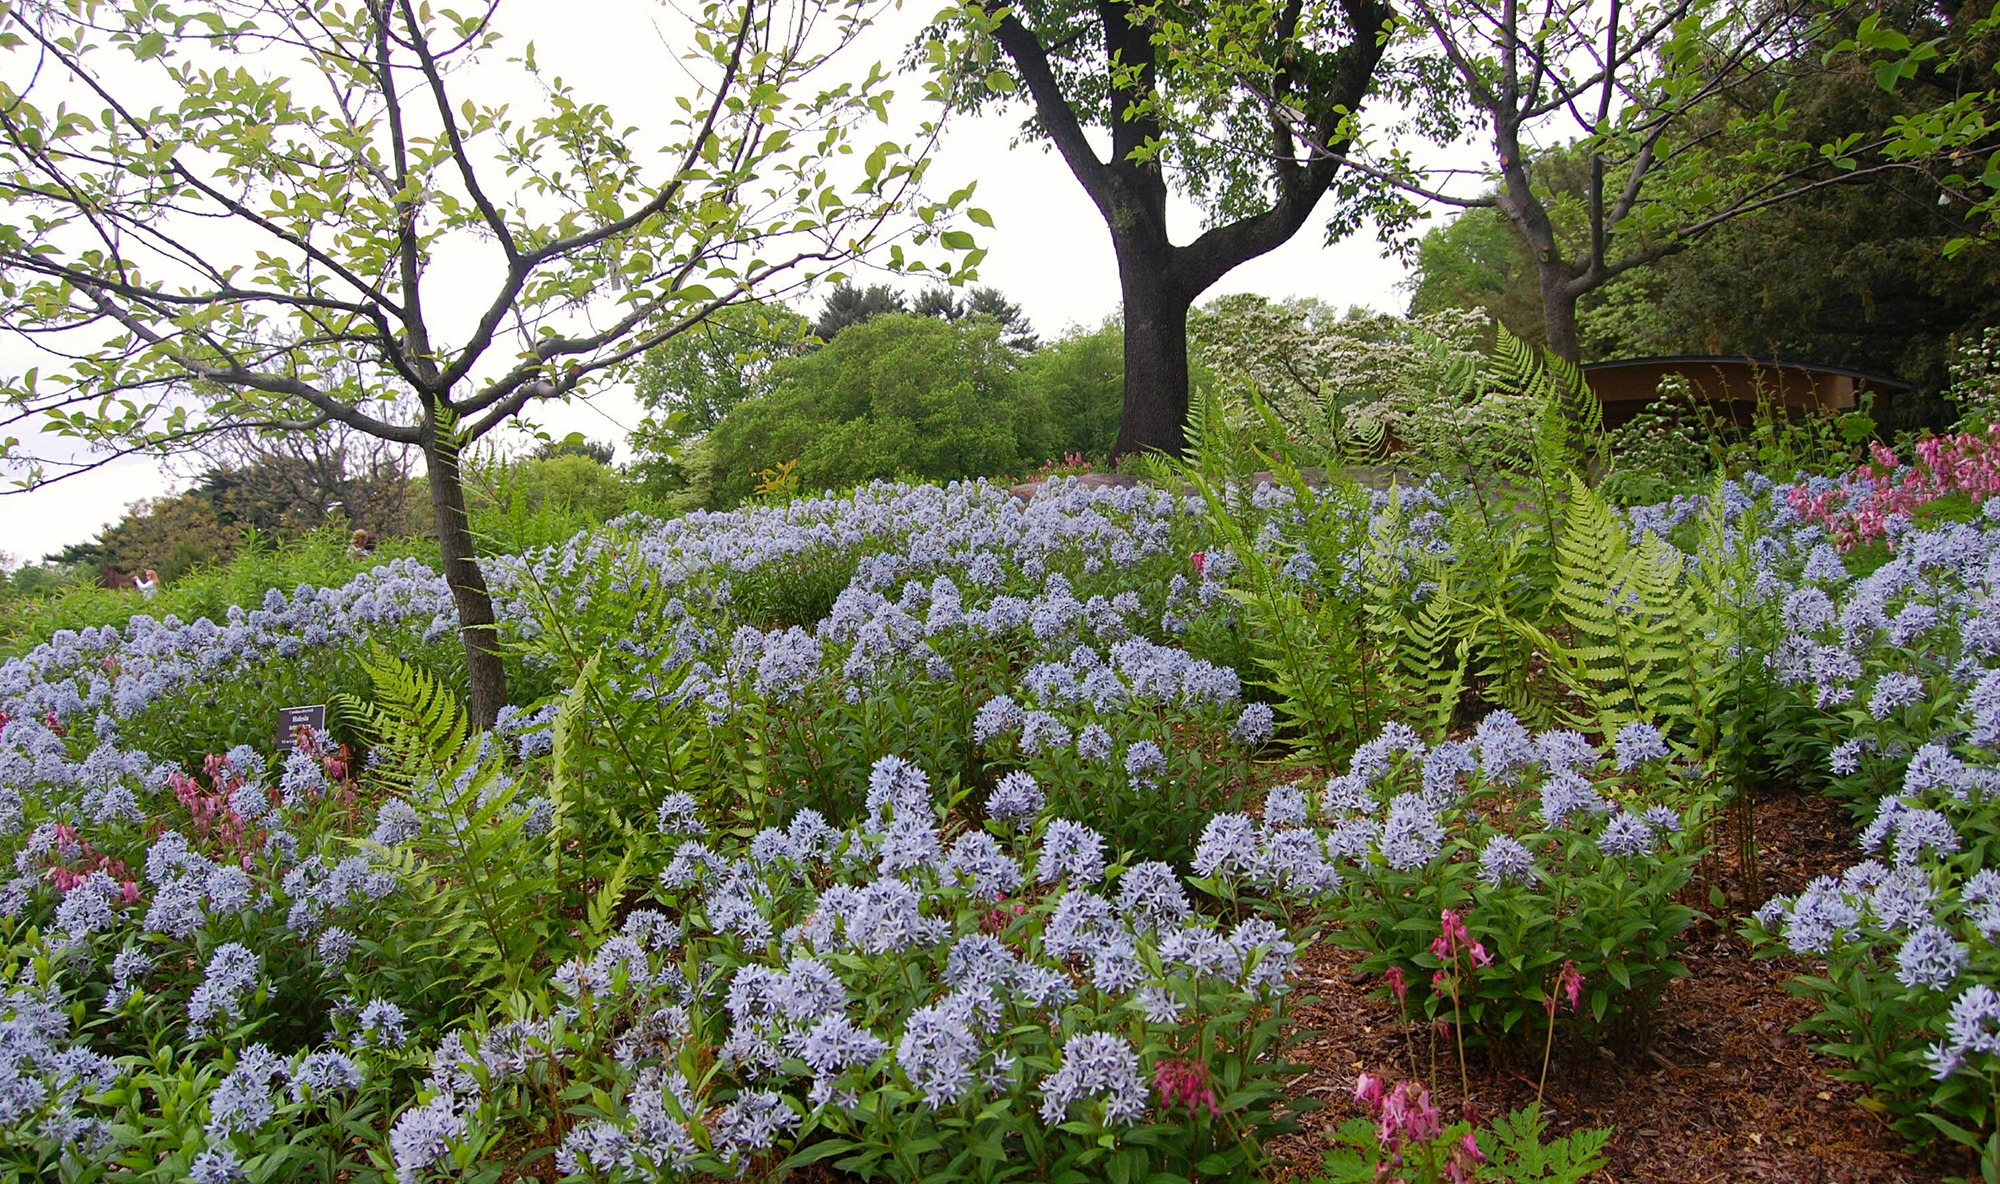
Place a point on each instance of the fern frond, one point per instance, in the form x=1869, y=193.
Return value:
x=414, y=722
x=1634, y=647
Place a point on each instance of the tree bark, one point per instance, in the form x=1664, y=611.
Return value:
x=1559, y=312
x=476, y=622
x=1154, y=413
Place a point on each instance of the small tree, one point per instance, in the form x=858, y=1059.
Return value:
x=250, y=255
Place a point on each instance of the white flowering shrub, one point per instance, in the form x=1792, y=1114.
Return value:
x=1555, y=856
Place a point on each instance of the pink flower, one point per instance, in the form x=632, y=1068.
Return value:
x=1408, y=1116
x=1200, y=561
x=1184, y=1083
x=1465, y=1160
x=1368, y=1092
x=1568, y=982
x=1397, y=984
x=1479, y=955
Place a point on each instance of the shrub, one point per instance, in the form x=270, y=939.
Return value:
x=895, y=394
x=1907, y=939
x=1548, y=850
x=1080, y=381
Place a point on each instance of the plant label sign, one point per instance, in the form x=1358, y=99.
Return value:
x=291, y=719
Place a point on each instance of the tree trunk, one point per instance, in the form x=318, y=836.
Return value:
x=1156, y=351
x=476, y=626
x=1559, y=312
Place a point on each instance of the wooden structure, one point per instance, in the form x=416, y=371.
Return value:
x=1627, y=385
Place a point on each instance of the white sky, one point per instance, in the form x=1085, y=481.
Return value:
x=1049, y=251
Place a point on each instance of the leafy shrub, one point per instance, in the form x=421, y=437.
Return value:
x=896, y=394
x=796, y=590
x=1080, y=380
x=1907, y=938
x=1549, y=850
x=569, y=480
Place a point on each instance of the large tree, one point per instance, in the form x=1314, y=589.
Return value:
x=322, y=223
x=1109, y=68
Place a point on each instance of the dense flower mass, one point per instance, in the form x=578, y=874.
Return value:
x=875, y=812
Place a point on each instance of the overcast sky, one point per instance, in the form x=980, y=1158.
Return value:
x=1049, y=251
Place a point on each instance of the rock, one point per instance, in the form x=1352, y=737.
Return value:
x=1027, y=490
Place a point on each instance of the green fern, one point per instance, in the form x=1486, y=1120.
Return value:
x=479, y=888
x=1418, y=648
x=1569, y=420
x=1634, y=648
x=414, y=723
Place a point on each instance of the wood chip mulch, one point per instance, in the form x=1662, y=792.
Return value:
x=1717, y=1091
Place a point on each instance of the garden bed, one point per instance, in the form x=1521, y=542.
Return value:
x=1721, y=1091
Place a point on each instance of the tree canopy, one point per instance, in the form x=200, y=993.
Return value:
x=260, y=253
x=895, y=396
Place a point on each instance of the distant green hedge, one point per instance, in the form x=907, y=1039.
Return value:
x=922, y=397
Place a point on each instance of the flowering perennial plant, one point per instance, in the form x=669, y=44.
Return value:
x=1877, y=499
x=847, y=829
x=1907, y=938
x=1534, y=849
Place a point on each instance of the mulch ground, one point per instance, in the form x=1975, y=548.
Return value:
x=1718, y=1090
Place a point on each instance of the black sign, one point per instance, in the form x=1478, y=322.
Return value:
x=291, y=719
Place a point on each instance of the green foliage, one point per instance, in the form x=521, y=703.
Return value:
x=1616, y=915
x=1635, y=648
x=1311, y=645
x=1353, y=380
x=797, y=589
x=517, y=505
x=1512, y=1150
x=1878, y=1009
x=848, y=305
x=312, y=303
x=898, y=394
x=1567, y=433
x=1663, y=450
x=413, y=723
x=1975, y=377
x=1080, y=380
x=1476, y=261
x=687, y=384
x=477, y=880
